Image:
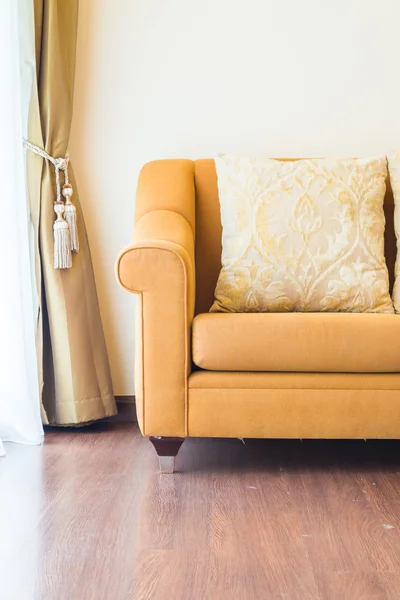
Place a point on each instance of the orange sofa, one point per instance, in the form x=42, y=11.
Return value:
x=265, y=375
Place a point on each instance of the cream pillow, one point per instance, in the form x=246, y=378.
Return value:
x=394, y=170
x=302, y=236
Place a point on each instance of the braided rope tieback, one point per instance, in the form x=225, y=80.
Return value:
x=65, y=227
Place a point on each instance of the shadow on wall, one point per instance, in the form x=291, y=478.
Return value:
x=94, y=143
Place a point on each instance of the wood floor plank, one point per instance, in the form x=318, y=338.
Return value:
x=381, y=489
x=359, y=586
x=254, y=537
x=88, y=517
x=342, y=531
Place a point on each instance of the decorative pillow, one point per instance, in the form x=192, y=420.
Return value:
x=302, y=235
x=394, y=170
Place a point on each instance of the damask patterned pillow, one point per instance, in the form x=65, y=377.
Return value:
x=394, y=170
x=303, y=235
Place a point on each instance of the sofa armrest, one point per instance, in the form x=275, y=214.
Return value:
x=159, y=266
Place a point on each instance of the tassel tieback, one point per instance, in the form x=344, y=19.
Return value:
x=62, y=239
x=65, y=226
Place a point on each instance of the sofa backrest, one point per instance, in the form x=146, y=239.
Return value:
x=209, y=233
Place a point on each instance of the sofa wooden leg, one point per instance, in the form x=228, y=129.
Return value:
x=167, y=448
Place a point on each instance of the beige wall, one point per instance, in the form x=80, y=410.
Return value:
x=168, y=78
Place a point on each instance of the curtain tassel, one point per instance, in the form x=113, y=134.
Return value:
x=65, y=227
x=70, y=216
x=62, y=239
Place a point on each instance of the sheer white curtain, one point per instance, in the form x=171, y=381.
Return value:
x=19, y=394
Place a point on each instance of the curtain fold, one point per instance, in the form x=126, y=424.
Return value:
x=74, y=372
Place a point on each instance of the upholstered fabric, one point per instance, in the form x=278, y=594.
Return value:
x=394, y=170
x=248, y=380
x=208, y=233
x=177, y=205
x=166, y=185
x=319, y=342
x=302, y=236
x=159, y=265
x=293, y=405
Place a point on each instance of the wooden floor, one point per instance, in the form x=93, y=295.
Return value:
x=88, y=517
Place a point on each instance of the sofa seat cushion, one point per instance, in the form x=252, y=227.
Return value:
x=302, y=342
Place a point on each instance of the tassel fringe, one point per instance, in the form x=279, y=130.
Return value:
x=62, y=245
x=70, y=217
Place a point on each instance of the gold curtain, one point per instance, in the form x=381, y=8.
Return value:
x=73, y=364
